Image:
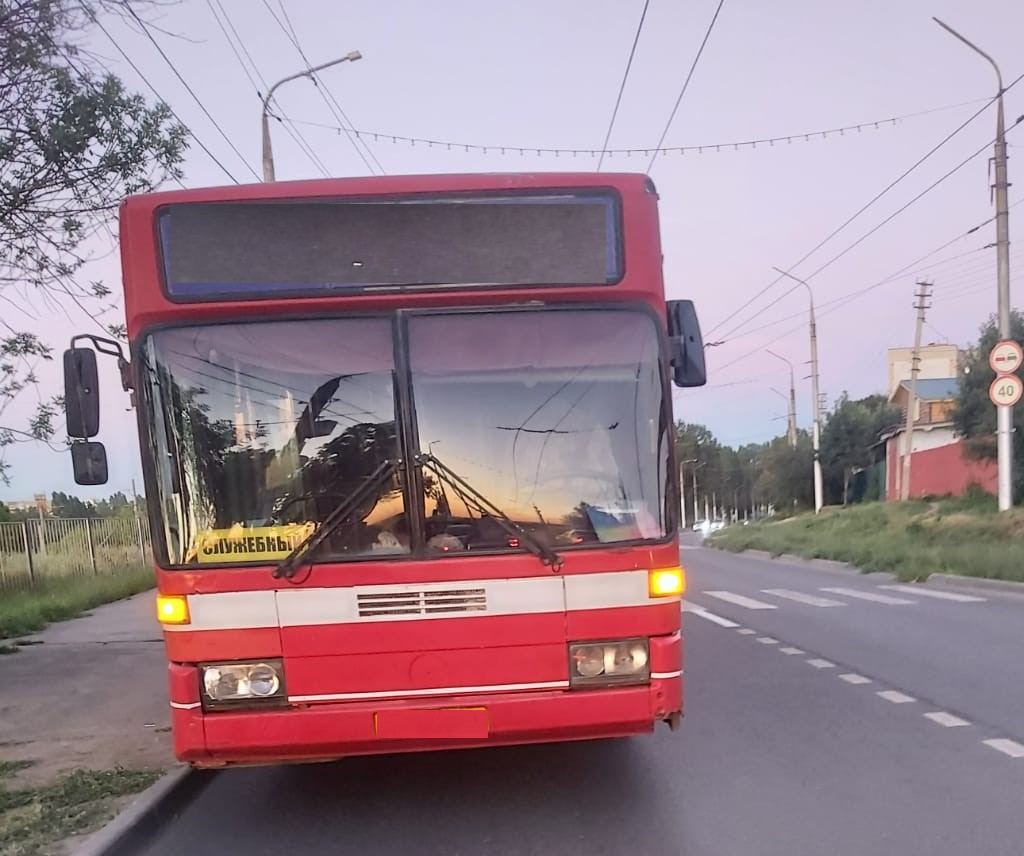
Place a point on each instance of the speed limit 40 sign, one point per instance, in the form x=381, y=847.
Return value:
x=1006, y=390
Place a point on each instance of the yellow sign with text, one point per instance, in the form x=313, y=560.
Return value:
x=239, y=544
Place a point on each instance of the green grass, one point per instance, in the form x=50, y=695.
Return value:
x=30, y=610
x=965, y=535
x=34, y=818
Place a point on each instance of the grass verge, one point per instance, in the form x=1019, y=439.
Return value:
x=32, y=819
x=30, y=610
x=914, y=539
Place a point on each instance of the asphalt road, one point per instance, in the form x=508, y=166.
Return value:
x=787, y=747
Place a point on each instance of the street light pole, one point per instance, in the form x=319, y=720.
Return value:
x=816, y=406
x=1004, y=415
x=268, y=154
x=792, y=398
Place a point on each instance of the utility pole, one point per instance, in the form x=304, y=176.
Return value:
x=791, y=427
x=268, y=153
x=915, y=368
x=1004, y=415
x=815, y=398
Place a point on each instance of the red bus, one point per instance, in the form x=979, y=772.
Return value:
x=409, y=463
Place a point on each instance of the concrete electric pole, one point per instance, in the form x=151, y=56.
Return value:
x=815, y=397
x=791, y=423
x=1004, y=413
x=915, y=368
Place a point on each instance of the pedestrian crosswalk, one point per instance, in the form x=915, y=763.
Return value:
x=822, y=597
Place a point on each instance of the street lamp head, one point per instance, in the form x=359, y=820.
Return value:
x=353, y=56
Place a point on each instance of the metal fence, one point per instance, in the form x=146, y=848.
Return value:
x=35, y=551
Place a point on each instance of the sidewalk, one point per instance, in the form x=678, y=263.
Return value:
x=91, y=693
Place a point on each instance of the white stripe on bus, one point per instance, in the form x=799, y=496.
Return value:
x=435, y=691
x=300, y=607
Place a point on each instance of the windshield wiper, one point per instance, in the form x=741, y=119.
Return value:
x=291, y=563
x=541, y=550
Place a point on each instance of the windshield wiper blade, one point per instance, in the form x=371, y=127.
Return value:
x=291, y=563
x=536, y=546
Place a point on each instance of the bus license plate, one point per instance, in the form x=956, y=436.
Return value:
x=434, y=724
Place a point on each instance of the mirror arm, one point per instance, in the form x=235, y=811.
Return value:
x=111, y=348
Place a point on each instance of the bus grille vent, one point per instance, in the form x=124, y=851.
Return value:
x=422, y=602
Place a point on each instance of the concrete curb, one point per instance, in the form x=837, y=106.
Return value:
x=159, y=804
x=984, y=584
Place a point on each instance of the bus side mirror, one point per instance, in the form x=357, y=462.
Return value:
x=686, y=343
x=81, y=393
x=89, y=462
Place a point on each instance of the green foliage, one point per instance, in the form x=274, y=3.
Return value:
x=846, y=440
x=785, y=474
x=31, y=609
x=33, y=818
x=975, y=417
x=911, y=539
x=73, y=143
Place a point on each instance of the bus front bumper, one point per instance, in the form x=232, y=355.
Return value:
x=335, y=730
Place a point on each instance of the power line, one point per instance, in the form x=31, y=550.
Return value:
x=622, y=85
x=686, y=83
x=160, y=98
x=325, y=89
x=884, y=222
x=171, y=65
x=860, y=211
x=294, y=133
x=334, y=107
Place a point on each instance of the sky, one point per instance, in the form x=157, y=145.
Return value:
x=546, y=75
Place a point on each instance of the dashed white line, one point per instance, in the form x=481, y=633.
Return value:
x=746, y=631
x=946, y=719
x=940, y=595
x=854, y=678
x=821, y=664
x=800, y=597
x=693, y=609
x=767, y=640
x=874, y=597
x=791, y=651
x=1007, y=747
x=740, y=600
x=895, y=697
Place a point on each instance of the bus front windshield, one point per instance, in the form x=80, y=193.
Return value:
x=258, y=431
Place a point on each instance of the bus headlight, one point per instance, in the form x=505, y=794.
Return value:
x=227, y=685
x=609, y=663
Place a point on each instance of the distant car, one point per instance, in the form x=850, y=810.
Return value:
x=716, y=525
x=700, y=526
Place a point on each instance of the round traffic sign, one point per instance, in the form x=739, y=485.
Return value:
x=1006, y=390
x=1005, y=357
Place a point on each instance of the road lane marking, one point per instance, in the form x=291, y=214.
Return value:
x=821, y=664
x=800, y=597
x=746, y=631
x=740, y=600
x=946, y=719
x=940, y=595
x=767, y=640
x=895, y=697
x=1007, y=747
x=791, y=651
x=701, y=612
x=854, y=678
x=872, y=596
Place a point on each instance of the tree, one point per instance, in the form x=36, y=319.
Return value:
x=785, y=478
x=5, y=513
x=67, y=506
x=975, y=416
x=846, y=441
x=73, y=143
